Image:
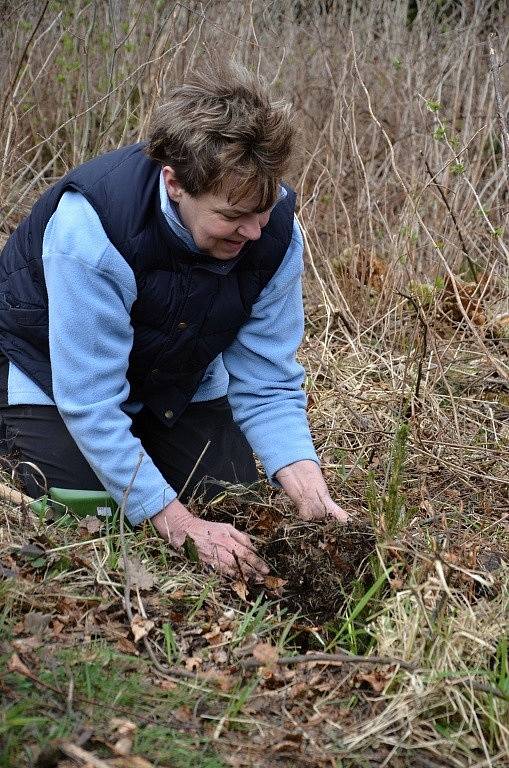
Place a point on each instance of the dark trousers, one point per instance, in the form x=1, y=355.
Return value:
x=36, y=435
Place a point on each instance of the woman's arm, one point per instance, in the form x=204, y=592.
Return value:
x=265, y=389
x=91, y=289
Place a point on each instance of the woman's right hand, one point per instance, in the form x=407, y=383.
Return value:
x=218, y=544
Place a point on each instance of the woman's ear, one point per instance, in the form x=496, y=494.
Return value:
x=173, y=187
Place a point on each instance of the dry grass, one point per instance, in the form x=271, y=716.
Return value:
x=405, y=348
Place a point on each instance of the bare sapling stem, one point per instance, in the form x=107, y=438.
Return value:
x=494, y=68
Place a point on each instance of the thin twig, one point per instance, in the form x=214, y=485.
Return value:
x=501, y=368
x=123, y=544
x=200, y=457
x=239, y=567
x=95, y=703
x=453, y=217
x=333, y=658
x=425, y=329
x=164, y=671
x=485, y=688
x=21, y=60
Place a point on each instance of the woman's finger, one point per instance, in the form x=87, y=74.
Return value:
x=238, y=557
x=220, y=559
x=312, y=512
x=241, y=538
x=257, y=565
x=334, y=510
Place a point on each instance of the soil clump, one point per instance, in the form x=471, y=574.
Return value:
x=319, y=562
x=313, y=564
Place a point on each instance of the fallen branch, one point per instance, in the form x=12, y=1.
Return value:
x=13, y=496
x=333, y=658
x=340, y=658
x=484, y=688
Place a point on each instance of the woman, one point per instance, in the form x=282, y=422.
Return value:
x=151, y=302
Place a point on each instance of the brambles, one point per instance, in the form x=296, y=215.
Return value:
x=421, y=572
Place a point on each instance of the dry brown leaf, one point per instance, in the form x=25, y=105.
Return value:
x=167, y=685
x=291, y=743
x=122, y=726
x=16, y=665
x=376, y=680
x=57, y=627
x=123, y=746
x=427, y=506
x=299, y=690
x=35, y=623
x=27, y=644
x=7, y=573
x=192, y=663
x=91, y=523
x=177, y=595
x=222, y=680
x=240, y=589
x=183, y=714
x=220, y=656
x=266, y=653
x=274, y=582
x=138, y=574
x=214, y=636
x=124, y=645
x=225, y=682
x=501, y=326
x=140, y=627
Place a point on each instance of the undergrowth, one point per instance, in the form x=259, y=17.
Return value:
x=402, y=197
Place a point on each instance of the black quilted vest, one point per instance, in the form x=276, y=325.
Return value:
x=189, y=306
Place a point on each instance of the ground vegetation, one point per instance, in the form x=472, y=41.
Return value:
x=381, y=644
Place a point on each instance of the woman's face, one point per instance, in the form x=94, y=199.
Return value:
x=217, y=227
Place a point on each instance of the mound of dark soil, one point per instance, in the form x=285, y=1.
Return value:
x=318, y=562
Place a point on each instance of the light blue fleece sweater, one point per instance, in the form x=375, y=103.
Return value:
x=91, y=290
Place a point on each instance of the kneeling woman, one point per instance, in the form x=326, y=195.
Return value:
x=151, y=302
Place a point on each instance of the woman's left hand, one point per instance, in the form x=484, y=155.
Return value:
x=319, y=507
x=304, y=483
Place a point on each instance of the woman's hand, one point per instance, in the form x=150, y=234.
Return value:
x=303, y=482
x=218, y=544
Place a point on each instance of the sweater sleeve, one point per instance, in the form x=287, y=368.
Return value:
x=265, y=389
x=91, y=289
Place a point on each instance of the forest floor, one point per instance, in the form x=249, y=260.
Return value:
x=383, y=642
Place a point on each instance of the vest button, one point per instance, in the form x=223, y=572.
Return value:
x=182, y=325
x=168, y=415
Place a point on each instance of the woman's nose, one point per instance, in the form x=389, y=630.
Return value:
x=250, y=229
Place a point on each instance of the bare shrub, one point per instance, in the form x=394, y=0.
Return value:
x=403, y=199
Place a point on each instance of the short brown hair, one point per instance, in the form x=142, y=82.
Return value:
x=220, y=128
